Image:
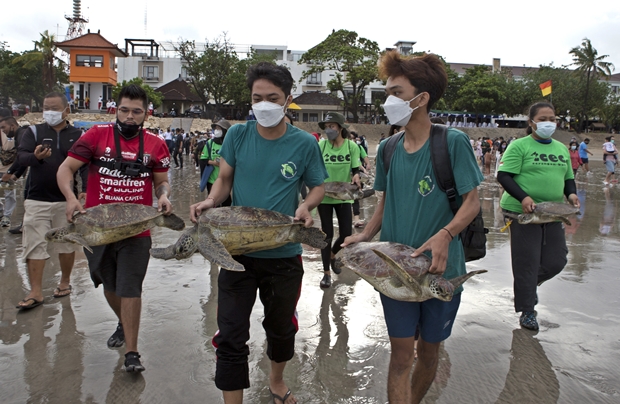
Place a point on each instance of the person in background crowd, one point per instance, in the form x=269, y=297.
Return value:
x=177, y=149
x=610, y=158
x=583, y=154
x=211, y=154
x=10, y=170
x=575, y=160
x=342, y=161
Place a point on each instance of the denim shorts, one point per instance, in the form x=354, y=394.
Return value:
x=434, y=318
x=611, y=166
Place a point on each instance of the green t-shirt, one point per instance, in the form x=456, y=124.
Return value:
x=268, y=173
x=540, y=170
x=339, y=162
x=415, y=207
x=215, y=153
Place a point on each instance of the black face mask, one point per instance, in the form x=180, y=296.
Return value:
x=127, y=131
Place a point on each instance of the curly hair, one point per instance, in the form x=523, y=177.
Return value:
x=426, y=73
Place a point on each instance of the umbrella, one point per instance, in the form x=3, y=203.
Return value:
x=294, y=106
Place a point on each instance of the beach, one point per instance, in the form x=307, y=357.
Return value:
x=57, y=353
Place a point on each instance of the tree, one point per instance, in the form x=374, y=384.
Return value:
x=239, y=92
x=354, y=61
x=588, y=63
x=609, y=113
x=482, y=91
x=19, y=81
x=153, y=96
x=568, y=89
x=44, y=54
x=218, y=73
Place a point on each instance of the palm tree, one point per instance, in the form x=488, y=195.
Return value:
x=589, y=63
x=44, y=53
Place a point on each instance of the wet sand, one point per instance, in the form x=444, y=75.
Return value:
x=57, y=353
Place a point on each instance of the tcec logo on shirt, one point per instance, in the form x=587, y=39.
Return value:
x=426, y=186
x=288, y=170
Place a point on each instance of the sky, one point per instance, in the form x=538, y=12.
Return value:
x=526, y=32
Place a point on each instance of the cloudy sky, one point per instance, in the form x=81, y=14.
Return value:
x=525, y=32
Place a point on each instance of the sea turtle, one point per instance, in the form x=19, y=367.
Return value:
x=390, y=268
x=108, y=223
x=234, y=230
x=346, y=191
x=546, y=212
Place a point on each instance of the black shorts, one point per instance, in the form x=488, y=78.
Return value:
x=121, y=266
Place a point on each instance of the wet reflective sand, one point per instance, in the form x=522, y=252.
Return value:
x=57, y=353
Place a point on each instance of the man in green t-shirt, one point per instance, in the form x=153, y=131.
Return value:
x=414, y=211
x=264, y=163
x=211, y=154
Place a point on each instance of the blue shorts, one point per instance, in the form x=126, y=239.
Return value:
x=434, y=318
x=584, y=160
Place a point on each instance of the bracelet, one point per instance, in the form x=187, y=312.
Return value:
x=214, y=204
x=451, y=236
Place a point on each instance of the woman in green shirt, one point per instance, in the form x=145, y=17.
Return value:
x=342, y=161
x=211, y=154
x=535, y=169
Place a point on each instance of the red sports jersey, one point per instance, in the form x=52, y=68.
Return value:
x=107, y=185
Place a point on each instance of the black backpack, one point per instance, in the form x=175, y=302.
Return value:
x=473, y=237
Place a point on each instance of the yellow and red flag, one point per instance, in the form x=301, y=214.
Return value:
x=545, y=88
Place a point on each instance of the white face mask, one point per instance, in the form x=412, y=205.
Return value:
x=268, y=114
x=398, y=111
x=217, y=133
x=545, y=130
x=52, y=118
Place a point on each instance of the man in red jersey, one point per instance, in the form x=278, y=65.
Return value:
x=126, y=164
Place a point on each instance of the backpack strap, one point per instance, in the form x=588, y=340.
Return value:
x=33, y=128
x=389, y=148
x=442, y=166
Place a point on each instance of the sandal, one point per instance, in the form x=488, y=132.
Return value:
x=34, y=304
x=275, y=397
x=58, y=293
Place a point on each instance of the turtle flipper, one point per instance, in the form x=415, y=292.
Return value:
x=312, y=236
x=77, y=238
x=400, y=273
x=172, y=221
x=459, y=280
x=185, y=247
x=565, y=220
x=213, y=250
x=367, y=193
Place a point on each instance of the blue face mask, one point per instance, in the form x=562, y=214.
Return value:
x=545, y=130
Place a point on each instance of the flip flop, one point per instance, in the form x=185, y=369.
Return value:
x=30, y=306
x=275, y=397
x=58, y=293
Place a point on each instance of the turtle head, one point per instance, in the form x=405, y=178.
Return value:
x=441, y=288
x=57, y=235
x=186, y=246
x=526, y=218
